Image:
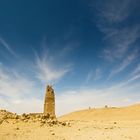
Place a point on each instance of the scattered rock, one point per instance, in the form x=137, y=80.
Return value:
x=25, y=120
x=16, y=117
x=7, y=134
x=68, y=123
x=17, y=128
x=1, y=121
x=32, y=117
x=63, y=123
x=112, y=127
x=5, y=117
x=43, y=121
x=106, y=106
x=45, y=116
x=52, y=133
x=6, y=121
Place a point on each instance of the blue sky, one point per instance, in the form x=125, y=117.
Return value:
x=88, y=50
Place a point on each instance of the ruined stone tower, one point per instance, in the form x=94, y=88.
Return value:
x=49, y=103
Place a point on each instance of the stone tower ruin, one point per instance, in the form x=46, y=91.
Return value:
x=49, y=103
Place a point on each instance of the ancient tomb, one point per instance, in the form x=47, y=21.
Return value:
x=49, y=103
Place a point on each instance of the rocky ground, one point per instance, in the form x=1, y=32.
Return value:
x=40, y=118
x=93, y=124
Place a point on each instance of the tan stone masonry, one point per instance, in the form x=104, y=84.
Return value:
x=49, y=103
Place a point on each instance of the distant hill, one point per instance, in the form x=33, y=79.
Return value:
x=110, y=113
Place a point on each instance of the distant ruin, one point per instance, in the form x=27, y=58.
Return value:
x=49, y=102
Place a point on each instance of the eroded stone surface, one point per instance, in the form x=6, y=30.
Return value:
x=41, y=118
x=49, y=103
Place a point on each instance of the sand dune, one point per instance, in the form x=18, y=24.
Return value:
x=110, y=113
x=92, y=124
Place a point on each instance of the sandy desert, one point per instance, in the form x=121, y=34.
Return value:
x=109, y=123
x=69, y=69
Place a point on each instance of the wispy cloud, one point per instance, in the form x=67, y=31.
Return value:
x=14, y=85
x=111, y=17
x=4, y=44
x=123, y=65
x=18, y=93
x=120, y=41
x=70, y=101
x=134, y=75
x=113, y=11
x=123, y=93
x=94, y=75
x=22, y=90
x=136, y=71
x=47, y=71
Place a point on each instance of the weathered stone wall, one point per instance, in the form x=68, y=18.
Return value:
x=49, y=103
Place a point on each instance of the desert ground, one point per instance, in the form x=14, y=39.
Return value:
x=92, y=124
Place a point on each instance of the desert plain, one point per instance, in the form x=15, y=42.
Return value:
x=110, y=123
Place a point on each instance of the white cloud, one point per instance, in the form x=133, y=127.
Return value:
x=22, y=106
x=18, y=93
x=114, y=11
x=93, y=75
x=13, y=89
x=136, y=70
x=70, y=101
x=47, y=71
x=111, y=15
x=120, y=42
x=14, y=85
x=131, y=80
x=97, y=74
x=8, y=48
x=123, y=65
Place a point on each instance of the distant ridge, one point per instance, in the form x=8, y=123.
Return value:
x=111, y=113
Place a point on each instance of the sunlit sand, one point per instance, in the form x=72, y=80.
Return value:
x=92, y=124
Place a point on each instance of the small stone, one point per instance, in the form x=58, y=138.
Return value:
x=22, y=119
x=43, y=121
x=39, y=119
x=17, y=128
x=23, y=115
x=16, y=117
x=44, y=117
x=68, y=123
x=53, y=133
x=41, y=125
x=37, y=116
x=7, y=134
x=5, y=117
x=54, y=122
x=6, y=121
x=1, y=121
x=106, y=106
x=25, y=120
x=63, y=123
